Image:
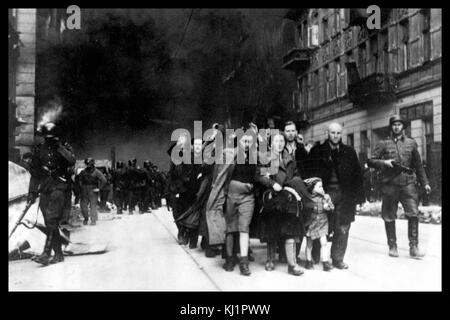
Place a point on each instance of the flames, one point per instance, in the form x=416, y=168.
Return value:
x=50, y=113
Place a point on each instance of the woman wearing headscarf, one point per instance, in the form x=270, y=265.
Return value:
x=280, y=168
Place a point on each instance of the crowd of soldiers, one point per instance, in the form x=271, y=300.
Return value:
x=130, y=185
x=54, y=180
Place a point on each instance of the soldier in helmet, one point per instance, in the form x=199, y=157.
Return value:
x=149, y=189
x=91, y=181
x=49, y=170
x=135, y=182
x=119, y=186
x=399, y=161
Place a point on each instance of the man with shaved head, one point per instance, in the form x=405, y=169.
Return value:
x=338, y=166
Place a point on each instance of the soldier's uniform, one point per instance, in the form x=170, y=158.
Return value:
x=399, y=186
x=104, y=192
x=91, y=180
x=50, y=177
x=119, y=187
x=136, y=182
x=149, y=188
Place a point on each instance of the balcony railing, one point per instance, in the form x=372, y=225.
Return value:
x=297, y=60
x=376, y=88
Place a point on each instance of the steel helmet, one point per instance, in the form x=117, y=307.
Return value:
x=398, y=118
x=48, y=130
x=89, y=161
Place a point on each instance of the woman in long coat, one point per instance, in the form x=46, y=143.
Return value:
x=274, y=224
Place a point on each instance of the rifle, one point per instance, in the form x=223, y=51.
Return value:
x=402, y=168
x=385, y=175
x=19, y=220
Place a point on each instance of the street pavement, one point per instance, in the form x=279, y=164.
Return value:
x=143, y=255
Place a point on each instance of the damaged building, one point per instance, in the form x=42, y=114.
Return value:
x=360, y=77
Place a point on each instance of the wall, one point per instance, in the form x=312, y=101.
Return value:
x=25, y=79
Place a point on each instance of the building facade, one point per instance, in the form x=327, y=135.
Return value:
x=31, y=33
x=21, y=80
x=360, y=77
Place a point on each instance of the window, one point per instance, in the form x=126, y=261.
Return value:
x=383, y=65
x=325, y=30
x=415, y=57
x=321, y=85
x=364, y=146
x=426, y=39
x=304, y=34
x=341, y=73
x=362, y=60
x=302, y=100
x=404, y=38
x=436, y=33
x=331, y=81
x=351, y=140
x=420, y=111
x=373, y=62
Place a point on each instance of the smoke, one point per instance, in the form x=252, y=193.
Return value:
x=130, y=77
x=51, y=112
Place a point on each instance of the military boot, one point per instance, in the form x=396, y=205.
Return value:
x=45, y=256
x=59, y=256
x=413, y=235
x=391, y=238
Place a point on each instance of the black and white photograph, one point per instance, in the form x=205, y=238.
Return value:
x=225, y=150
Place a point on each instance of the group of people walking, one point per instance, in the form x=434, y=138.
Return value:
x=279, y=195
x=132, y=187
x=313, y=193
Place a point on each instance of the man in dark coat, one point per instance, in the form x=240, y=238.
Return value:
x=179, y=188
x=295, y=145
x=50, y=174
x=338, y=166
x=398, y=185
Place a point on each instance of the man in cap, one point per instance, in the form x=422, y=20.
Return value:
x=91, y=181
x=49, y=169
x=399, y=161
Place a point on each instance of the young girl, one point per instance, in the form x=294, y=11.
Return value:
x=318, y=229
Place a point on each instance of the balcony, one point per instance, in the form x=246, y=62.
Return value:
x=376, y=88
x=297, y=60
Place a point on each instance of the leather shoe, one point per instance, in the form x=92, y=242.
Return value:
x=327, y=266
x=270, y=266
x=340, y=265
x=295, y=270
x=229, y=264
x=309, y=265
x=243, y=266
x=56, y=258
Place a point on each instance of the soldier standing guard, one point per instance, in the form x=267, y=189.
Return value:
x=49, y=170
x=400, y=162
